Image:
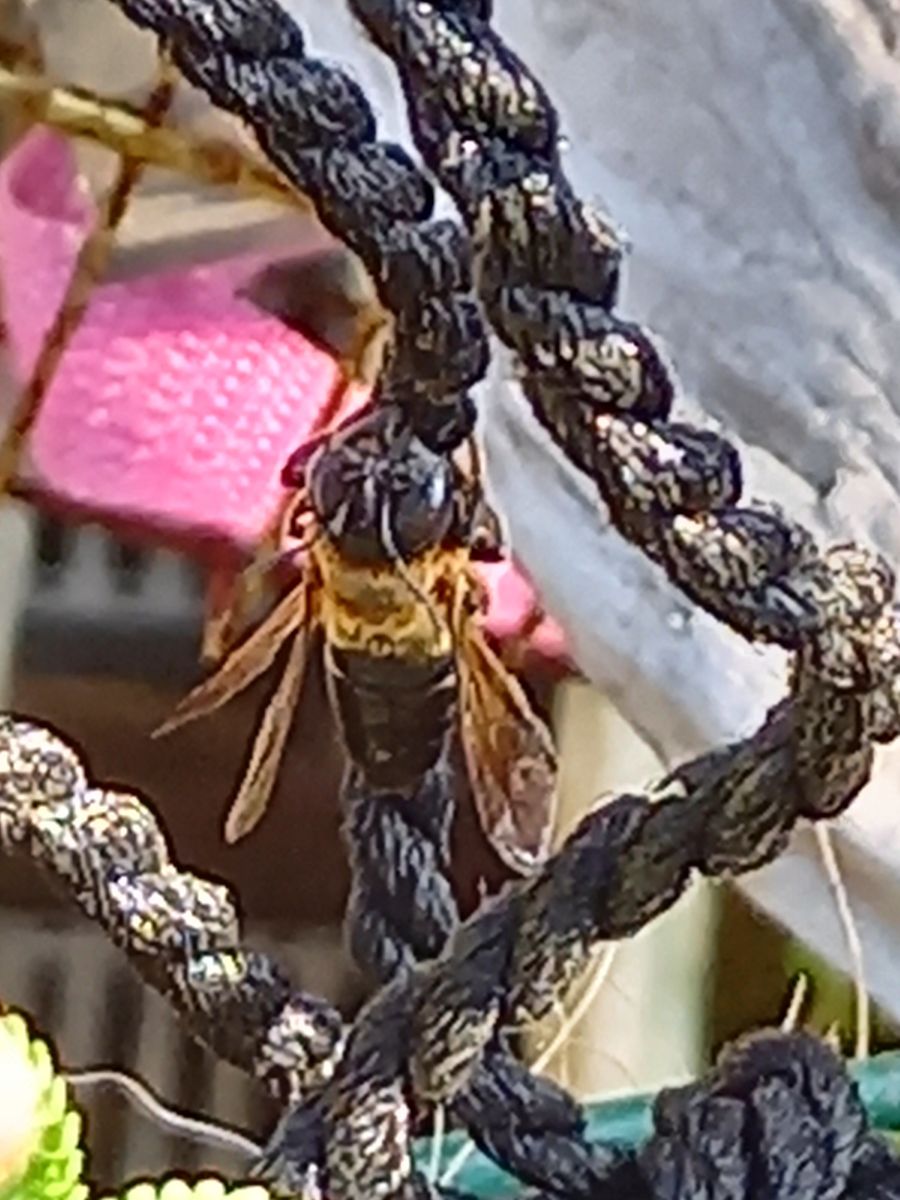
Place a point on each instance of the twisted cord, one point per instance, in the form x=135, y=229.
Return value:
x=548, y=272
x=180, y=931
x=402, y=911
x=436, y=1030
x=401, y=908
x=433, y=1035
x=777, y=1118
x=316, y=125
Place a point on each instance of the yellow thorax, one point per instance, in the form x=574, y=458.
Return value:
x=376, y=609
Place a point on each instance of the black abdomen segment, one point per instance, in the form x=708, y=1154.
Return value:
x=395, y=714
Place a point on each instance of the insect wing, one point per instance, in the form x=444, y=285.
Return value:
x=256, y=787
x=510, y=756
x=246, y=662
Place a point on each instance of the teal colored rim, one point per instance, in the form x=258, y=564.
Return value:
x=55, y=1171
x=628, y=1122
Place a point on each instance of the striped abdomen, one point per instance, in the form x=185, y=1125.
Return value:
x=395, y=713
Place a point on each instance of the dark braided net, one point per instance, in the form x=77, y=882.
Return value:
x=547, y=273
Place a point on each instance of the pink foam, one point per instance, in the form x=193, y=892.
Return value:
x=511, y=600
x=177, y=403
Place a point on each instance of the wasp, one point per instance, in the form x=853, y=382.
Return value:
x=388, y=584
x=387, y=537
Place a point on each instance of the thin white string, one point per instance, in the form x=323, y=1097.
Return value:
x=851, y=935
x=437, y=1144
x=210, y=1132
x=795, y=1005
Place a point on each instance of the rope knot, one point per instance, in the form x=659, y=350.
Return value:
x=778, y=1117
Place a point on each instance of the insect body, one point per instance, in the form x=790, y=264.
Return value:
x=388, y=579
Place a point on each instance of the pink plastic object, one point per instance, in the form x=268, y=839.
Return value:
x=512, y=600
x=177, y=403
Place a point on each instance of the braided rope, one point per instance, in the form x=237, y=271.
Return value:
x=778, y=1117
x=180, y=931
x=316, y=125
x=402, y=915
x=548, y=271
x=839, y=622
x=435, y=1033
x=402, y=911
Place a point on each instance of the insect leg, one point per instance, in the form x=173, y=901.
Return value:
x=231, y=591
x=359, y=359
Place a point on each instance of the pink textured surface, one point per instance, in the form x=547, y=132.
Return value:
x=511, y=600
x=177, y=403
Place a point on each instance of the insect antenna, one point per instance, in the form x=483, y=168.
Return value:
x=399, y=563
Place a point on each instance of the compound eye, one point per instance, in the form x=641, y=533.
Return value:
x=293, y=473
x=424, y=511
x=328, y=486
